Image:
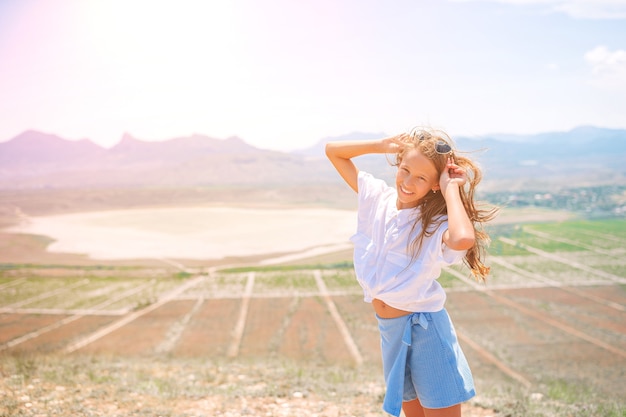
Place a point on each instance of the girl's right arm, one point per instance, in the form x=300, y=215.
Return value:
x=340, y=155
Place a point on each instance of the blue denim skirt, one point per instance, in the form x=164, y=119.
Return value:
x=422, y=359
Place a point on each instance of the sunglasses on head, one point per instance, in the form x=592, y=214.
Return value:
x=441, y=147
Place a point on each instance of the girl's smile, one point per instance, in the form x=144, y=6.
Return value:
x=416, y=177
x=405, y=191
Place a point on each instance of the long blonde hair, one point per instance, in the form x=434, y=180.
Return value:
x=432, y=144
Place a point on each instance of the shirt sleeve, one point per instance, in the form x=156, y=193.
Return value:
x=370, y=188
x=449, y=256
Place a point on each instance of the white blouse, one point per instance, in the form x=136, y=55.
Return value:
x=382, y=259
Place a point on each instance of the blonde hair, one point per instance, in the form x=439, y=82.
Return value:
x=432, y=144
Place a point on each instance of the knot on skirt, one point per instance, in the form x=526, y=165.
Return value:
x=420, y=319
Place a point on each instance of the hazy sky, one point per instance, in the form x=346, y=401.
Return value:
x=282, y=74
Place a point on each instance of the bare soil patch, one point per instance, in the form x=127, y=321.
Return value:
x=209, y=333
x=15, y=325
x=266, y=326
x=55, y=340
x=312, y=335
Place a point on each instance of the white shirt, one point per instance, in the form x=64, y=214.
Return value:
x=382, y=259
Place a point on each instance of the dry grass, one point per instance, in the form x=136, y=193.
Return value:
x=161, y=386
x=45, y=385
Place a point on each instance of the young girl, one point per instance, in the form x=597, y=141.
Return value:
x=404, y=237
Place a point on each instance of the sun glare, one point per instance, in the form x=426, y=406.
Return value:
x=166, y=59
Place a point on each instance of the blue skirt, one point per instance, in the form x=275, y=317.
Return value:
x=422, y=359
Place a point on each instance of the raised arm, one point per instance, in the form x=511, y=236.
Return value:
x=460, y=234
x=341, y=153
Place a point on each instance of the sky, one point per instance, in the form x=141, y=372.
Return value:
x=283, y=74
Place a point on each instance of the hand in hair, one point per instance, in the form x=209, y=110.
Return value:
x=394, y=144
x=453, y=174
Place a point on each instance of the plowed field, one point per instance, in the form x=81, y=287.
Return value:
x=544, y=325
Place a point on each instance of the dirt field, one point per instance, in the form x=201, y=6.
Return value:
x=546, y=336
x=509, y=348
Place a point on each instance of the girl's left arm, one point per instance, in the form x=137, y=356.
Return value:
x=460, y=234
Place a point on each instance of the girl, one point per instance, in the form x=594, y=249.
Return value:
x=404, y=237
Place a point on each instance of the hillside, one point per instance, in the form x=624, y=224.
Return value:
x=38, y=160
x=585, y=156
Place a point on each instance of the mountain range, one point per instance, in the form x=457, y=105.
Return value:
x=582, y=156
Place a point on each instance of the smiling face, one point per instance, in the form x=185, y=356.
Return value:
x=416, y=177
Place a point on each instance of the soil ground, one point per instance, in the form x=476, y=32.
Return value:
x=278, y=343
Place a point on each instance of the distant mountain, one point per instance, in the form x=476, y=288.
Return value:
x=38, y=160
x=131, y=150
x=33, y=152
x=582, y=156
